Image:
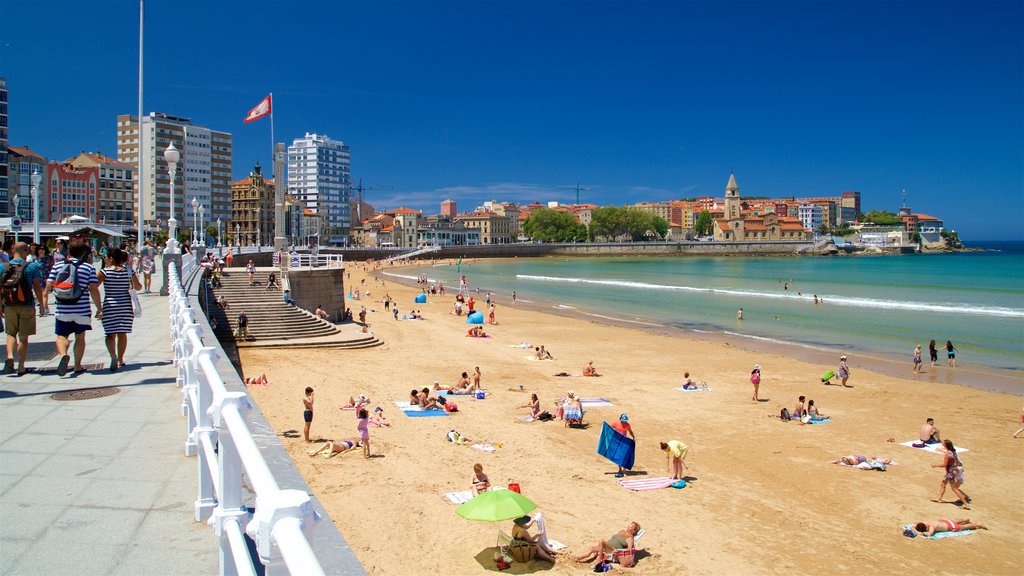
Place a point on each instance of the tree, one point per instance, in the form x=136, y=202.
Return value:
x=882, y=218
x=549, y=225
x=613, y=222
x=704, y=225
x=952, y=239
x=211, y=232
x=823, y=229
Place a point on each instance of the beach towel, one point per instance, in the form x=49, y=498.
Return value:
x=681, y=389
x=542, y=534
x=417, y=412
x=459, y=497
x=639, y=484
x=447, y=393
x=618, y=448
x=348, y=408
x=595, y=402
x=485, y=447
x=820, y=421
x=933, y=448
x=939, y=535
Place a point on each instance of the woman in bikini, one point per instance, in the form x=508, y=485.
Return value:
x=954, y=475
x=537, y=548
x=533, y=405
x=855, y=459
x=333, y=447
x=622, y=540
x=930, y=528
x=479, y=482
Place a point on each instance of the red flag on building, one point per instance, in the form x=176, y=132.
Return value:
x=261, y=110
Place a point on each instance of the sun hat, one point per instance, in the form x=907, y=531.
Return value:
x=522, y=520
x=378, y=409
x=757, y=366
x=843, y=357
x=623, y=417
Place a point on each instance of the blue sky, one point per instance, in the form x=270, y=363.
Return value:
x=637, y=100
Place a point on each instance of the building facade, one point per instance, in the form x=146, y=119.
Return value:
x=810, y=216
x=494, y=228
x=116, y=197
x=319, y=174
x=204, y=170
x=21, y=163
x=449, y=209
x=73, y=191
x=252, y=209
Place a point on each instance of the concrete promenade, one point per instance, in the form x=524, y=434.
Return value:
x=100, y=486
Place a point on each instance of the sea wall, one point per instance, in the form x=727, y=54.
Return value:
x=319, y=287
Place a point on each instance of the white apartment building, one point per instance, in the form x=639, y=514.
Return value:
x=204, y=170
x=810, y=216
x=319, y=174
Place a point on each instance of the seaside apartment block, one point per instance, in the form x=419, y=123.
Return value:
x=115, y=198
x=319, y=174
x=204, y=171
x=4, y=174
x=21, y=163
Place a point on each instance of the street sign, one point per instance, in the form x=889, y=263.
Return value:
x=15, y=224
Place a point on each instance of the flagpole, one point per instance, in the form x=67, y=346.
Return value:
x=273, y=164
x=138, y=187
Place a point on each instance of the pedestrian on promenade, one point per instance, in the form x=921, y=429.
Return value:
x=117, y=278
x=74, y=285
x=21, y=287
x=45, y=261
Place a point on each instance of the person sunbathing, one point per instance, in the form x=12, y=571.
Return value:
x=855, y=459
x=931, y=528
x=479, y=482
x=414, y=397
x=378, y=418
x=521, y=534
x=333, y=447
x=621, y=540
x=543, y=354
x=534, y=406
x=357, y=402
x=589, y=369
x=426, y=402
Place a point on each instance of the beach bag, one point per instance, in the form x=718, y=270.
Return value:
x=514, y=487
x=625, y=558
x=784, y=415
x=136, y=304
x=755, y=378
x=66, y=288
x=545, y=416
x=14, y=285
x=451, y=407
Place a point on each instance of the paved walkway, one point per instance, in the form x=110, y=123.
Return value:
x=100, y=486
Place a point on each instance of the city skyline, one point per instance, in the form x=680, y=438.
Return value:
x=517, y=102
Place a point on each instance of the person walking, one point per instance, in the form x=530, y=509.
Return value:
x=951, y=353
x=755, y=379
x=954, y=475
x=117, y=278
x=917, y=359
x=933, y=352
x=74, y=285
x=21, y=288
x=844, y=370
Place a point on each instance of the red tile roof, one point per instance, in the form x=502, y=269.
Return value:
x=24, y=151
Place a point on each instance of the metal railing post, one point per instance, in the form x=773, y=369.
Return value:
x=229, y=506
x=279, y=518
x=206, y=499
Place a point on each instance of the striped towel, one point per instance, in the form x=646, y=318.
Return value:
x=595, y=402
x=459, y=497
x=939, y=535
x=639, y=484
x=933, y=448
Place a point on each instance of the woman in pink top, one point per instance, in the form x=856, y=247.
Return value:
x=364, y=431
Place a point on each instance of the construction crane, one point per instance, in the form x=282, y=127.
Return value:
x=359, y=205
x=577, y=188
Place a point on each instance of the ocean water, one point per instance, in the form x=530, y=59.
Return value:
x=879, y=305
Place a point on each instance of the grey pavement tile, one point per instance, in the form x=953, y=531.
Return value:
x=95, y=445
x=137, y=398
x=112, y=422
x=26, y=521
x=166, y=561
x=10, y=551
x=67, y=465
x=175, y=529
x=148, y=467
x=127, y=494
x=49, y=558
x=34, y=443
x=79, y=410
x=177, y=496
x=27, y=413
x=170, y=444
x=19, y=463
x=48, y=425
x=84, y=525
x=154, y=414
x=42, y=489
x=8, y=480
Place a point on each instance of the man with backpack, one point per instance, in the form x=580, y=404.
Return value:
x=21, y=289
x=72, y=285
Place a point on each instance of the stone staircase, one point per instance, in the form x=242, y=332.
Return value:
x=274, y=323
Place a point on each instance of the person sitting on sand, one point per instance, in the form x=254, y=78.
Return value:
x=477, y=332
x=931, y=528
x=573, y=409
x=929, y=433
x=689, y=384
x=414, y=396
x=378, y=418
x=333, y=447
x=534, y=406
x=426, y=402
x=855, y=459
x=479, y=482
x=621, y=540
x=589, y=369
x=798, y=411
x=521, y=534
x=812, y=414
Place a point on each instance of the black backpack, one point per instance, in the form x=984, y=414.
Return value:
x=784, y=415
x=14, y=286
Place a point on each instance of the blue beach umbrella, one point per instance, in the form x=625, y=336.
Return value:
x=475, y=318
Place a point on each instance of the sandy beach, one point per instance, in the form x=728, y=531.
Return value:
x=762, y=496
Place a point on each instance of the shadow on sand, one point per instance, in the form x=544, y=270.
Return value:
x=486, y=560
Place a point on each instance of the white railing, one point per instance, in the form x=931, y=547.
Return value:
x=188, y=263
x=417, y=252
x=303, y=260
x=218, y=435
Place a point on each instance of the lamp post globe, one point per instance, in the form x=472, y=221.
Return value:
x=171, y=155
x=36, y=179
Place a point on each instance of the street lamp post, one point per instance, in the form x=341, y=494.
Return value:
x=202, y=228
x=219, y=241
x=238, y=239
x=16, y=215
x=259, y=229
x=36, y=179
x=171, y=155
x=195, y=219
